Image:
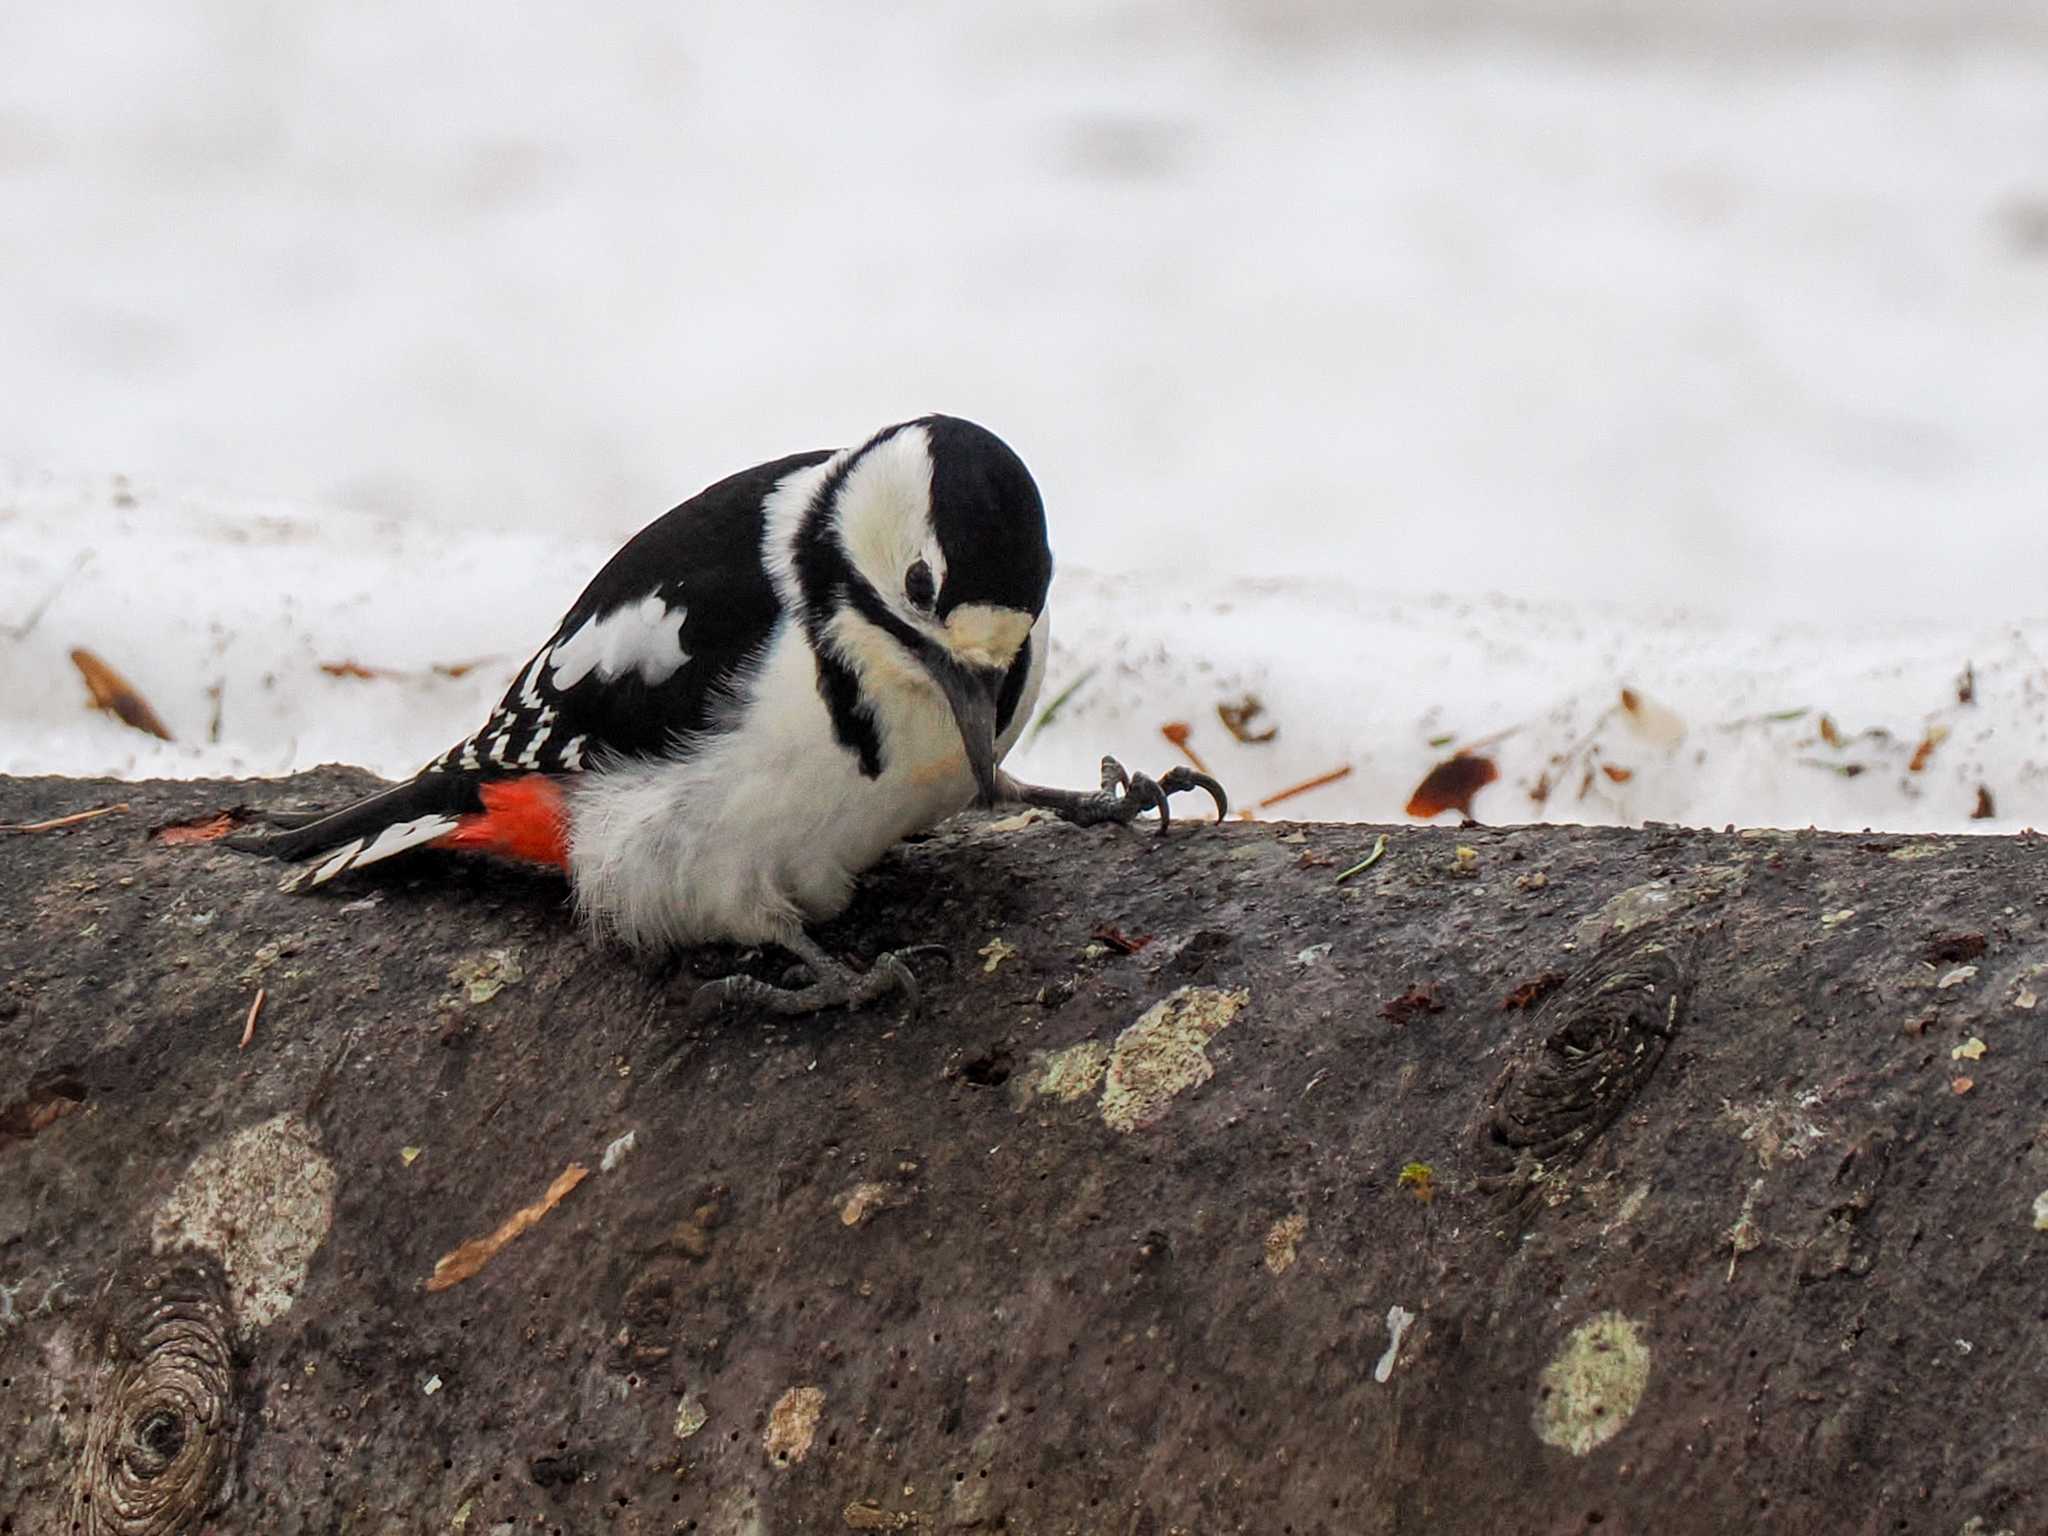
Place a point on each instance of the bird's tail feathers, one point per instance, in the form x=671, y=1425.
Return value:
x=409, y=815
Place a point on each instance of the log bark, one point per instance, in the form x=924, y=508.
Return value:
x=1527, y=1180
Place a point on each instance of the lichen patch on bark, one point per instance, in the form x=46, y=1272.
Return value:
x=1593, y=1385
x=1283, y=1240
x=1073, y=1073
x=1164, y=1054
x=261, y=1201
x=793, y=1424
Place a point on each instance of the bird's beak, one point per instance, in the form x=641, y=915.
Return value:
x=972, y=693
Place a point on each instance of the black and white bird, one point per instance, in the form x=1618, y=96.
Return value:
x=757, y=696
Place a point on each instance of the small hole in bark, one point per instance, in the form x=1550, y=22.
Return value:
x=991, y=1069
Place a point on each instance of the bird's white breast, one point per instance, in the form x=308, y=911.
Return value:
x=753, y=831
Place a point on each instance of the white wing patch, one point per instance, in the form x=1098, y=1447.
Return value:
x=644, y=637
x=360, y=851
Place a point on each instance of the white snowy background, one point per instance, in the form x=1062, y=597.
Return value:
x=1430, y=372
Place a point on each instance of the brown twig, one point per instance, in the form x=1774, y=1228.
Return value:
x=249, y=1024
x=457, y=1265
x=1178, y=732
x=1305, y=786
x=72, y=820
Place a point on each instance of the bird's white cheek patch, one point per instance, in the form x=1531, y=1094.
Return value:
x=261, y=1202
x=644, y=637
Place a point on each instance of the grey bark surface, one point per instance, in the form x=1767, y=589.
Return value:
x=1720, y=1234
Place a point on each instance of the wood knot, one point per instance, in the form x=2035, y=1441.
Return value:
x=161, y=1436
x=1604, y=1031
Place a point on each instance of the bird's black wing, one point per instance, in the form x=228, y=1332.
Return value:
x=641, y=661
x=647, y=654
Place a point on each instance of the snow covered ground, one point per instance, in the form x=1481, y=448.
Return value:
x=1715, y=340
x=269, y=638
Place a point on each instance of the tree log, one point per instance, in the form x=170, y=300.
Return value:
x=1527, y=1180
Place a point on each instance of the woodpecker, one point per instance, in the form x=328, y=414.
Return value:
x=753, y=700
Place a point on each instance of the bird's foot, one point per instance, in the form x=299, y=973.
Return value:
x=831, y=985
x=1124, y=796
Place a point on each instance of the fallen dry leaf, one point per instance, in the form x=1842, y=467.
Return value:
x=1616, y=772
x=1830, y=732
x=1963, y=1085
x=461, y=668
x=116, y=695
x=1985, y=810
x=354, y=669
x=1651, y=721
x=1413, y=1003
x=1451, y=784
x=1237, y=719
x=1305, y=786
x=1936, y=735
x=1532, y=991
x=457, y=1266
x=1118, y=940
x=1966, y=685
x=211, y=829
x=44, y=1106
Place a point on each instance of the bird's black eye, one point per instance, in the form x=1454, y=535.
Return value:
x=918, y=585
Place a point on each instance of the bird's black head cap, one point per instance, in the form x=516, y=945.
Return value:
x=990, y=520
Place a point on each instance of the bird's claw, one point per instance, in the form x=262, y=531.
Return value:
x=832, y=985
x=1125, y=796
x=1180, y=779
